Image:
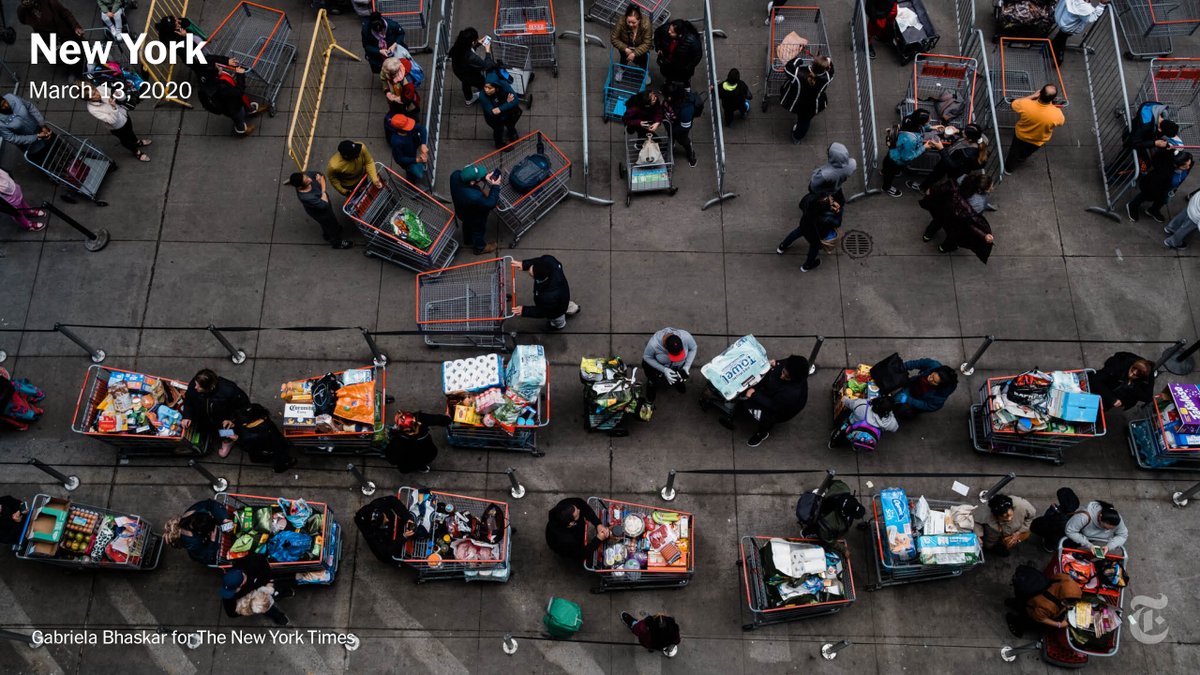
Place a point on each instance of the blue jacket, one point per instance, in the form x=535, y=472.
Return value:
x=470, y=204
x=909, y=146
x=500, y=100
x=934, y=399
x=394, y=35
x=405, y=146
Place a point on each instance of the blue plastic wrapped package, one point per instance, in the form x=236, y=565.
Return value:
x=526, y=371
x=741, y=365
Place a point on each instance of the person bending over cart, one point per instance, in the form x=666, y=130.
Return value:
x=778, y=397
x=644, y=112
x=1051, y=526
x=249, y=588
x=386, y=524
x=260, y=438
x=410, y=445
x=475, y=194
x=1005, y=524
x=656, y=632
x=928, y=390
x=566, y=531
x=1125, y=381
x=1099, y=528
x=1047, y=609
x=12, y=519
x=667, y=360
x=22, y=124
x=210, y=402
x=198, y=530
x=348, y=165
x=380, y=37
x=551, y=292
x=633, y=37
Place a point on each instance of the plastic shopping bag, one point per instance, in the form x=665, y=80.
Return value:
x=650, y=152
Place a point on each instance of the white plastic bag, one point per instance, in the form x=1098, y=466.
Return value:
x=650, y=152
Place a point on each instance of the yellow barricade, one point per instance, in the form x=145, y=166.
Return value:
x=163, y=73
x=312, y=87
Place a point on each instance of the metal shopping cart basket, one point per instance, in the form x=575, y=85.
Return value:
x=320, y=570
x=522, y=439
x=516, y=211
x=1105, y=646
x=366, y=441
x=417, y=551
x=805, y=22
x=890, y=570
x=517, y=62
x=623, y=81
x=615, y=578
x=609, y=12
x=194, y=442
x=257, y=36
x=142, y=553
x=1154, y=447
x=466, y=305
x=1176, y=82
x=933, y=76
x=648, y=176
x=988, y=437
x=1148, y=26
x=73, y=163
x=529, y=23
x=1025, y=66
x=759, y=596
x=383, y=215
x=413, y=17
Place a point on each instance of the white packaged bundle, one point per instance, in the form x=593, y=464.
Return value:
x=473, y=374
x=526, y=371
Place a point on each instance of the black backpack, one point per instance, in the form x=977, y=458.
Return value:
x=530, y=172
x=1028, y=581
x=324, y=394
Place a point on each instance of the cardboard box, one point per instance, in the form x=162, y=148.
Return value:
x=47, y=527
x=897, y=521
x=301, y=415
x=1074, y=406
x=1187, y=406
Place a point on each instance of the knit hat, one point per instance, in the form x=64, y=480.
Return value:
x=349, y=149
x=472, y=172
x=797, y=366
x=402, y=122
x=674, y=345
x=230, y=583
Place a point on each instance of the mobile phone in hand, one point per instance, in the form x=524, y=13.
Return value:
x=225, y=433
x=487, y=40
x=495, y=174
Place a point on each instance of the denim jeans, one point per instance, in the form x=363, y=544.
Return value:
x=1180, y=228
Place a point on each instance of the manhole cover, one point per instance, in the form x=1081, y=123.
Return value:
x=856, y=244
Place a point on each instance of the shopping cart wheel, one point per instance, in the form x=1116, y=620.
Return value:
x=871, y=588
x=597, y=590
x=749, y=626
x=271, y=112
x=555, y=70
x=628, y=198
x=764, y=104
x=671, y=192
x=101, y=202
x=621, y=170
x=9, y=35
x=538, y=453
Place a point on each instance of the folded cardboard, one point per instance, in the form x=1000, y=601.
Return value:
x=47, y=527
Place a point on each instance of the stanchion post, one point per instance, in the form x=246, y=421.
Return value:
x=69, y=483
x=829, y=650
x=1177, y=362
x=3, y=356
x=515, y=488
x=1181, y=498
x=218, y=484
x=968, y=368
x=19, y=637
x=377, y=354
x=668, y=491
x=987, y=494
x=236, y=355
x=509, y=645
x=96, y=354
x=367, y=487
x=95, y=240
x=1009, y=654
x=812, y=356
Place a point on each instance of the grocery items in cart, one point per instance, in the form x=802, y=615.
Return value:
x=64, y=532
x=139, y=404
x=483, y=392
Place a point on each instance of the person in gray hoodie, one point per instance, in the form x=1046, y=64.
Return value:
x=1098, y=526
x=23, y=125
x=667, y=360
x=829, y=177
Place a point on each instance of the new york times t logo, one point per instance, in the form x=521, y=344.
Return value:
x=1146, y=622
x=46, y=49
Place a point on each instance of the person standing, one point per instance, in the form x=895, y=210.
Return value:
x=399, y=87
x=680, y=109
x=1005, y=524
x=804, y=92
x=958, y=209
x=348, y=165
x=679, y=51
x=909, y=145
x=551, y=292
x=410, y=147
x=501, y=108
x=1038, y=118
x=104, y=107
x=657, y=632
x=1182, y=226
x=830, y=176
x=380, y=36
x=210, y=403
x=967, y=154
x=633, y=37
x=22, y=124
x=735, y=96
x=410, y=445
x=1168, y=169
x=1072, y=17
x=1125, y=381
x=474, y=193
x=221, y=89
x=820, y=215
x=21, y=210
x=250, y=589
x=881, y=14
x=667, y=360
x=566, y=530
x=467, y=65
x=778, y=397
x=310, y=190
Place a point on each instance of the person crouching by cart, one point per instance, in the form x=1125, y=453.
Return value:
x=551, y=292
x=260, y=438
x=778, y=397
x=667, y=360
x=656, y=632
x=410, y=445
x=198, y=530
x=927, y=391
x=1047, y=609
x=386, y=524
x=210, y=403
x=1125, y=381
x=221, y=88
x=12, y=519
x=566, y=531
x=1005, y=524
x=249, y=589
x=1051, y=526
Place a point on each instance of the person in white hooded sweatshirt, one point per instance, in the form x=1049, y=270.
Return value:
x=102, y=105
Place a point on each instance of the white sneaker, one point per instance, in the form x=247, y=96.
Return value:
x=572, y=308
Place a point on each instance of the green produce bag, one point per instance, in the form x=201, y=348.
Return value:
x=563, y=618
x=417, y=234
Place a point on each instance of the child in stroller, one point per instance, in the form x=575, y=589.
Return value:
x=124, y=83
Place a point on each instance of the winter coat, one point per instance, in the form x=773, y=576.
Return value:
x=636, y=113
x=656, y=355
x=204, y=549
x=210, y=411
x=1161, y=179
x=964, y=227
x=470, y=204
x=861, y=411
x=257, y=569
x=393, y=35
x=678, y=57
x=505, y=99
x=828, y=178
x=405, y=145
x=551, y=292
x=802, y=96
x=221, y=92
x=387, y=543
x=640, y=41
x=656, y=632
x=1085, y=530
x=568, y=542
x=468, y=65
x=960, y=158
x=933, y=399
x=1112, y=384
x=991, y=531
x=20, y=127
x=10, y=530
x=779, y=399
x=817, y=219
x=734, y=97
x=49, y=17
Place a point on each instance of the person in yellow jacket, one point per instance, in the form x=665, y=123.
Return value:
x=1039, y=117
x=348, y=165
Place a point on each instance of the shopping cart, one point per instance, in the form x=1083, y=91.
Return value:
x=417, y=551
x=989, y=438
x=933, y=75
x=624, y=80
x=366, y=441
x=320, y=570
x=617, y=579
x=1175, y=82
x=516, y=60
x=257, y=36
x=649, y=176
x=1109, y=644
x=376, y=212
x=1152, y=446
x=413, y=17
x=529, y=23
x=518, y=212
x=522, y=439
x=891, y=571
x=142, y=553
x=466, y=305
x=73, y=163
x=609, y=12
x=805, y=22
x=758, y=596
x=194, y=442
x=1025, y=66
x=1149, y=26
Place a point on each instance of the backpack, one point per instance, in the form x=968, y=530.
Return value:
x=891, y=135
x=808, y=509
x=862, y=436
x=530, y=172
x=1028, y=581
x=562, y=619
x=839, y=511
x=324, y=394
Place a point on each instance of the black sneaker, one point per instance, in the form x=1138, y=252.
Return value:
x=757, y=439
x=1168, y=244
x=780, y=249
x=1133, y=215
x=285, y=593
x=926, y=238
x=1156, y=215
x=892, y=192
x=628, y=619
x=913, y=185
x=692, y=159
x=343, y=244
x=808, y=268
x=726, y=422
x=871, y=50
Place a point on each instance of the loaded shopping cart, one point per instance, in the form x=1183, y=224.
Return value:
x=795, y=32
x=1149, y=26
x=297, y=536
x=653, y=174
x=468, y=538
x=529, y=23
x=402, y=223
x=902, y=556
x=136, y=413
x=497, y=407
x=623, y=81
x=1175, y=82
x=648, y=548
x=609, y=12
x=1025, y=66
x=257, y=36
x=342, y=412
x=413, y=17
x=72, y=162
x=789, y=579
x=610, y=393
x=944, y=86
x=466, y=305
x=1165, y=435
x=1005, y=423
x=521, y=206
x=62, y=532
x=1094, y=622
x=515, y=59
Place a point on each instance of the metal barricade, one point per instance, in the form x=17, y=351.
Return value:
x=192, y=443
x=651, y=176
x=72, y=162
x=1111, y=121
x=516, y=211
x=529, y=23
x=413, y=17
x=165, y=73
x=365, y=441
x=376, y=210
x=257, y=36
x=609, y=12
x=419, y=551
x=303, y=126
x=466, y=305
x=716, y=116
x=434, y=98
x=864, y=94
x=1023, y=67
x=806, y=22
x=1133, y=17
x=934, y=74
x=1175, y=82
x=964, y=22
x=983, y=107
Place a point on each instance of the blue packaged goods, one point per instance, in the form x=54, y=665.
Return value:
x=741, y=365
x=897, y=521
x=526, y=371
x=1073, y=406
x=949, y=549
